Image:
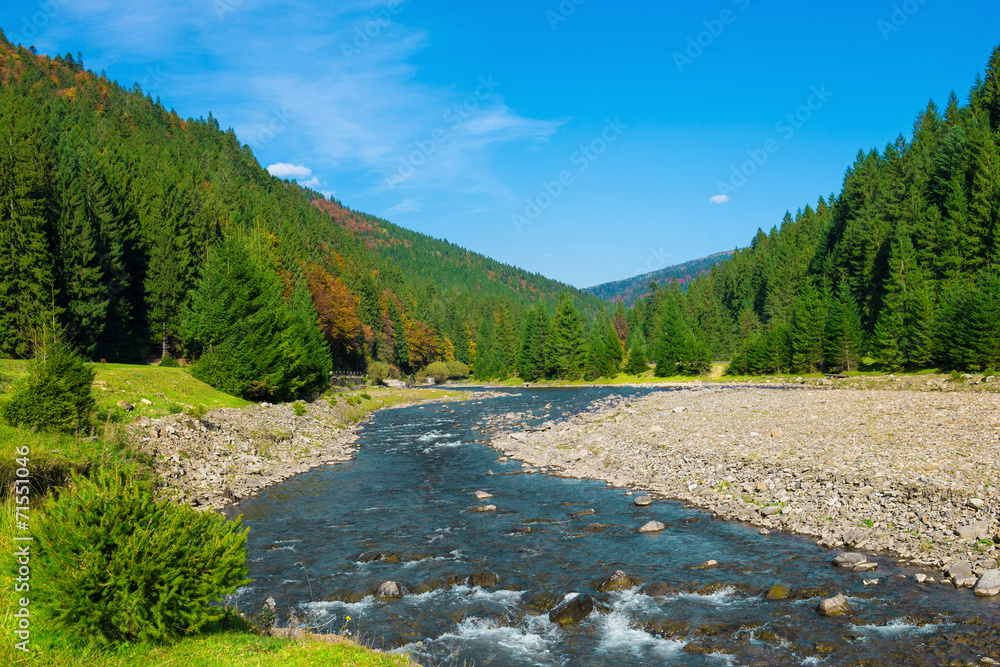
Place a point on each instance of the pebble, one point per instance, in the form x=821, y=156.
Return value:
x=652, y=527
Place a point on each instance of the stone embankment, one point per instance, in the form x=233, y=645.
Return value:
x=232, y=453
x=913, y=473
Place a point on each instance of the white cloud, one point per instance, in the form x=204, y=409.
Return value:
x=311, y=183
x=719, y=199
x=286, y=170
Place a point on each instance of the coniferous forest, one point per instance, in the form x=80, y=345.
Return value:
x=136, y=233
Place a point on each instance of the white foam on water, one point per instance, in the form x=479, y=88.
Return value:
x=632, y=601
x=290, y=581
x=275, y=548
x=808, y=662
x=463, y=593
x=325, y=608
x=617, y=636
x=530, y=645
x=443, y=445
x=898, y=627
x=431, y=436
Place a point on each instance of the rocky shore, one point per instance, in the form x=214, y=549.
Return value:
x=913, y=474
x=225, y=455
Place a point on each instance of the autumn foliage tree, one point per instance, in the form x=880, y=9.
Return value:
x=338, y=317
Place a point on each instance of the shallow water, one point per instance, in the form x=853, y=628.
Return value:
x=408, y=495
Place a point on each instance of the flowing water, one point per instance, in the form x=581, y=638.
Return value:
x=321, y=542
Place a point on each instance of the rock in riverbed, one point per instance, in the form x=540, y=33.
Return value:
x=835, y=606
x=988, y=585
x=573, y=609
x=389, y=590
x=849, y=559
x=643, y=501
x=652, y=527
x=619, y=581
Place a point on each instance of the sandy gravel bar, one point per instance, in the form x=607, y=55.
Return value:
x=912, y=473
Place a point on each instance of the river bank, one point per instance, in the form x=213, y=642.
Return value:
x=914, y=474
x=223, y=456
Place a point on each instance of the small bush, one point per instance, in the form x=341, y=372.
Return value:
x=379, y=370
x=457, y=370
x=299, y=408
x=169, y=362
x=197, y=411
x=439, y=371
x=56, y=394
x=110, y=563
x=366, y=397
x=173, y=408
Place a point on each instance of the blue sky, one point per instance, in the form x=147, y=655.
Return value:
x=582, y=139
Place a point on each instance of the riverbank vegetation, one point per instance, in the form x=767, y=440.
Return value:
x=118, y=576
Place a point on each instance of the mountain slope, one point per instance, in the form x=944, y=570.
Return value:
x=630, y=290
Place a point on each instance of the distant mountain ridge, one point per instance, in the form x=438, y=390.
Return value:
x=630, y=290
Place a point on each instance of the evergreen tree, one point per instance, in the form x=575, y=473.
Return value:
x=844, y=336
x=637, y=363
x=27, y=287
x=670, y=348
x=807, y=335
x=564, y=349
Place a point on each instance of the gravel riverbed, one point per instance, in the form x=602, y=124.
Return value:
x=914, y=474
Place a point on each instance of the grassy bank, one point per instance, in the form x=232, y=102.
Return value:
x=54, y=456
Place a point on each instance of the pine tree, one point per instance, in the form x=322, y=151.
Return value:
x=637, y=363
x=807, y=335
x=844, y=336
x=670, y=348
x=564, y=348
x=27, y=287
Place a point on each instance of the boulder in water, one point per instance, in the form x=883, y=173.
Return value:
x=652, y=527
x=483, y=579
x=988, y=585
x=619, y=581
x=643, y=501
x=389, y=590
x=835, y=606
x=573, y=609
x=849, y=560
x=778, y=592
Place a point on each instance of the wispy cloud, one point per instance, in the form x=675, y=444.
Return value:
x=408, y=205
x=720, y=199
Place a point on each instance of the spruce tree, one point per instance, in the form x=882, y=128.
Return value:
x=807, y=335
x=564, y=348
x=844, y=336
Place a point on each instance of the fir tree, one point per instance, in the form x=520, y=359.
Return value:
x=564, y=349
x=807, y=334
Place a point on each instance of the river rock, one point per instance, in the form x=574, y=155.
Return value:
x=482, y=495
x=707, y=565
x=867, y=566
x=849, y=559
x=619, y=581
x=974, y=531
x=573, y=609
x=584, y=513
x=652, y=527
x=961, y=575
x=835, y=606
x=389, y=590
x=125, y=405
x=643, y=501
x=976, y=503
x=988, y=585
x=778, y=592
x=483, y=579
x=484, y=508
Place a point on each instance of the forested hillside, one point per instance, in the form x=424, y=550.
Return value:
x=630, y=290
x=135, y=231
x=901, y=266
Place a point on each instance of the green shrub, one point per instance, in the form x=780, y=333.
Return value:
x=173, y=408
x=197, y=411
x=366, y=397
x=110, y=563
x=438, y=370
x=299, y=408
x=55, y=395
x=457, y=370
x=379, y=370
x=169, y=362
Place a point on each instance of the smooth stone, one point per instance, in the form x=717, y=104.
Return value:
x=765, y=531
x=483, y=579
x=870, y=582
x=778, y=592
x=679, y=410
x=584, y=512
x=988, y=585
x=146, y=401
x=835, y=606
x=573, y=609
x=482, y=495
x=125, y=405
x=643, y=501
x=920, y=577
x=974, y=531
x=484, y=508
x=849, y=559
x=977, y=503
x=652, y=527
x=389, y=590
x=867, y=566
x=619, y=581
x=707, y=565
